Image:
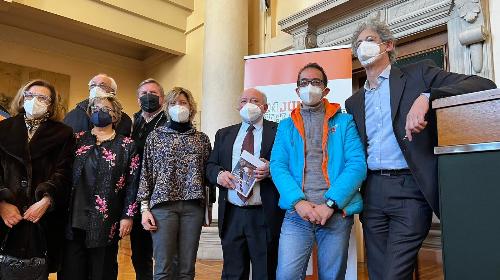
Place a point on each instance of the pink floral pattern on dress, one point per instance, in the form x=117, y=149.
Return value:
x=132, y=209
x=112, y=232
x=134, y=164
x=109, y=156
x=126, y=141
x=82, y=150
x=79, y=134
x=120, y=184
x=102, y=206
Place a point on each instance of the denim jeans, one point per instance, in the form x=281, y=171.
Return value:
x=296, y=242
x=179, y=228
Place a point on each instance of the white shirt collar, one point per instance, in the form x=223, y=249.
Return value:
x=258, y=125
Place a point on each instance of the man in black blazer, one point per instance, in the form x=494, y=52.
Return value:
x=249, y=227
x=399, y=133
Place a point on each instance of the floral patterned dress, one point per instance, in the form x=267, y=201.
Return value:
x=113, y=194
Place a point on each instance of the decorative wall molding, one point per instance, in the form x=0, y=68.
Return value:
x=333, y=22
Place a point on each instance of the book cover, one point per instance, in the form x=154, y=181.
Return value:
x=243, y=173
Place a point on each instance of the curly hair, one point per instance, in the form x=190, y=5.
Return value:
x=117, y=106
x=381, y=29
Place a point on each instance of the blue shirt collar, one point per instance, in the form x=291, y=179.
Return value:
x=383, y=75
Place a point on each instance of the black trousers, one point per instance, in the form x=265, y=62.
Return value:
x=142, y=250
x=247, y=239
x=82, y=263
x=396, y=219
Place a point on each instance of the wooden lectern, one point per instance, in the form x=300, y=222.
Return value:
x=469, y=181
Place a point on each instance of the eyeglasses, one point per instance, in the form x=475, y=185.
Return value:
x=105, y=109
x=314, y=82
x=42, y=98
x=105, y=87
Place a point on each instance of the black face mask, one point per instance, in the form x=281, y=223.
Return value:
x=150, y=103
x=101, y=118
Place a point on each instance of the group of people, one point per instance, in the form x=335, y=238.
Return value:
x=71, y=189
x=69, y=192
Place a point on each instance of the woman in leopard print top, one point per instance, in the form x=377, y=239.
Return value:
x=172, y=187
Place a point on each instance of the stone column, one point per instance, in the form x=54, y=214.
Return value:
x=226, y=42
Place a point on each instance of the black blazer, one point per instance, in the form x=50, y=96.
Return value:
x=406, y=84
x=221, y=159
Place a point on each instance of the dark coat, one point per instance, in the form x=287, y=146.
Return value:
x=221, y=160
x=3, y=113
x=80, y=121
x=113, y=196
x=141, y=129
x=27, y=172
x=406, y=85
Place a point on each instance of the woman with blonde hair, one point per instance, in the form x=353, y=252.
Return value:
x=36, y=154
x=172, y=187
x=102, y=204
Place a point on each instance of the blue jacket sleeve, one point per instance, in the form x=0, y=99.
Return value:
x=290, y=191
x=348, y=182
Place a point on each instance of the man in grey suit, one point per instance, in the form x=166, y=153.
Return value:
x=399, y=133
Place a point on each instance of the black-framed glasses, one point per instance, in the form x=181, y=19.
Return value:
x=314, y=82
x=41, y=97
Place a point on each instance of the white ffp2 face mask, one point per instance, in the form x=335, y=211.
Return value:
x=179, y=113
x=35, y=108
x=368, y=52
x=310, y=95
x=250, y=113
x=98, y=92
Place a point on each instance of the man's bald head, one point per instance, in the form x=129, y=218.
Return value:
x=254, y=96
x=105, y=82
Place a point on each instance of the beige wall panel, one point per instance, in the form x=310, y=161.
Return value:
x=121, y=23
x=80, y=68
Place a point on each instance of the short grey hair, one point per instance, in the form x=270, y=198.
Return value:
x=113, y=82
x=382, y=29
x=151, y=81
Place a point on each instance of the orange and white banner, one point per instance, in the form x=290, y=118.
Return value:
x=276, y=75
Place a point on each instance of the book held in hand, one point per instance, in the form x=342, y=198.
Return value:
x=243, y=172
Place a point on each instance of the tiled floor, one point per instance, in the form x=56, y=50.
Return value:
x=211, y=270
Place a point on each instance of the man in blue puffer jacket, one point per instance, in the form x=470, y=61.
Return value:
x=317, y=164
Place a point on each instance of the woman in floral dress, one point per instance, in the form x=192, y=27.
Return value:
x=105, y=179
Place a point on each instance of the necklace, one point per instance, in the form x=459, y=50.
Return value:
x=100, y=140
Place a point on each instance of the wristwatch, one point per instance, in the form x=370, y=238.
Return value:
x=332, y=204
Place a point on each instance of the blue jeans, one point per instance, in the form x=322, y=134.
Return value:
x=296, y=242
